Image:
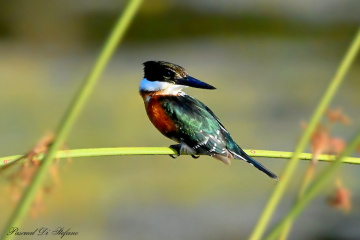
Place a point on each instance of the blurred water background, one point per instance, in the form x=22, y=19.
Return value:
x=270, y=62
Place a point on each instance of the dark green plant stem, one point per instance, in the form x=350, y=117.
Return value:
x=315, y=188
x=100, y=152
x=71, y=115
x=280, y=188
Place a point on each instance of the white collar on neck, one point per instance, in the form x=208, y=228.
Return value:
x=164, y=87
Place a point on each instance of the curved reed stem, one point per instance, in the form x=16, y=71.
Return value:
x=99, y=152
x=73, y=111
x=280, y=188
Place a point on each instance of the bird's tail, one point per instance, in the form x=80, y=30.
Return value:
x=247, y=158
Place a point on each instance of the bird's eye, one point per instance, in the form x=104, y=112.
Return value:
x=168, y=74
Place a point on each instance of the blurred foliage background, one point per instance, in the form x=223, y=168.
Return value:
x=270, y=62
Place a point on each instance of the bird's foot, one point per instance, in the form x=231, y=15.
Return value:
x=177, y=148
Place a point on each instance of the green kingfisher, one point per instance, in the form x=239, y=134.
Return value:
x=185, y=119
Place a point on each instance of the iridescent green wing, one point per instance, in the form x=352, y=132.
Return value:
x=198, y=127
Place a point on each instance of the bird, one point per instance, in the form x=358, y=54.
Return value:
x=184, y=119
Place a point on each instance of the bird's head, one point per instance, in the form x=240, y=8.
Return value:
x=169, y=77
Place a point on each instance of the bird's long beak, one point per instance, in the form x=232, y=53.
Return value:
x=193, y=82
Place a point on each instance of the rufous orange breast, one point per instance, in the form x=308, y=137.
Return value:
x=156, y=113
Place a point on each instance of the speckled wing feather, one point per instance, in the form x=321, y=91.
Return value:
x=197, y=127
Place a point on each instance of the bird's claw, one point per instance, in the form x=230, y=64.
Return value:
x=176, y=147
